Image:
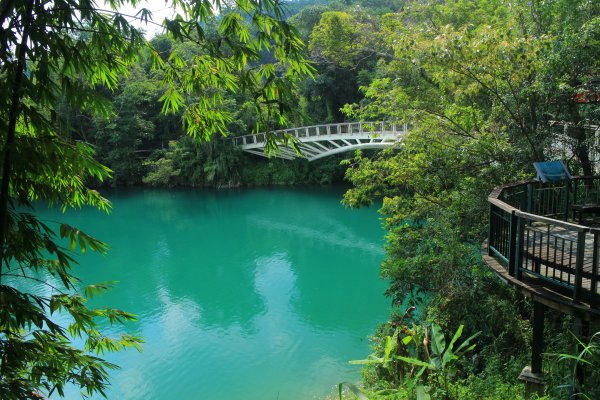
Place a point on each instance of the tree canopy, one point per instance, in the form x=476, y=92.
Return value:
x=487, y=88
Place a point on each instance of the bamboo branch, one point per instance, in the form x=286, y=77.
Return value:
x=10, y=135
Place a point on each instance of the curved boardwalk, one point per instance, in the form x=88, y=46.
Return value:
x=535, y=245
x=320, y=141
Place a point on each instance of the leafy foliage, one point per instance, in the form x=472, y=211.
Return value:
x=478, y=82
x=583, y=368
x=338, y=37
x=221, y=62
x=57, y=58
x=47, y=53
x=421, y=359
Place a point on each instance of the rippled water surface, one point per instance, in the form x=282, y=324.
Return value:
x=243, y=294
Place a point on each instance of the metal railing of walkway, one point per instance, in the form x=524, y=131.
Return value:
x=318, y=141
x=535, y=246
x=532, y=235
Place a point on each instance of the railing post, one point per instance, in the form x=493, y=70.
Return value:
x=594, y=280
x=579, y=266
x=529, y=197
x=567, y=191
x=512, y=246
x=519, y=248
x=491, y=230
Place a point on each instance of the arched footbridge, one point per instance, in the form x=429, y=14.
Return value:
x=320, y=141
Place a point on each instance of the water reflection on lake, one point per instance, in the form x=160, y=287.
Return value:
x=242, y=294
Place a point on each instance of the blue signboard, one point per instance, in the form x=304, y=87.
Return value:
x=552, y=171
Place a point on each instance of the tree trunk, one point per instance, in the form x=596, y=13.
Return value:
x=582, y=148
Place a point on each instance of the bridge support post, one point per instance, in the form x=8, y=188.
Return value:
x=581, y=330
x=533, y=375
x=537, y=345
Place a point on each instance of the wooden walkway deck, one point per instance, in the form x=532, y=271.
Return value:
x=532, y=247
x=555, y=262
x=549, y=258
x=550, y=254
x=538, y=290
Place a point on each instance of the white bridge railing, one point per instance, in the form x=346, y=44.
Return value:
x=318, y=141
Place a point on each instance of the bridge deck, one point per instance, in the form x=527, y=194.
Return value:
x=318, y=141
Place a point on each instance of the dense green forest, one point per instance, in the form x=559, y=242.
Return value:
x=142, y=145
x=484, y=84
x=487, y=86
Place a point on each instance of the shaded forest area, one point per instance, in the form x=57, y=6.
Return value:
x=142, y=145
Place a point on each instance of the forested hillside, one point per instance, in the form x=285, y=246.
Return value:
x=142, y=145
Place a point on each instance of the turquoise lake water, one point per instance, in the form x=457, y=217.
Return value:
x=241, y=294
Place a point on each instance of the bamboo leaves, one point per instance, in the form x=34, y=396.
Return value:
x=75, y=236
x=224, y=60
x=63, y=53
